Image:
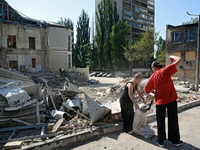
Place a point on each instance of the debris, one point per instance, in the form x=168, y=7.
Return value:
x=59, y=114
x=96, y=111
x=116, y=111
x=57, y=125
x=50, y=126
x=67, y=106
x=13, y=145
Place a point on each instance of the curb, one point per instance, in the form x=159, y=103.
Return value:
x=84, y=135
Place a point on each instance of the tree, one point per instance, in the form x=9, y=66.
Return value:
x=82, y=40
x=100, y=33
x=118, y=40
x=160, y=53
x=192, y=20
x=161, y=57
x=143, y=49
x=106, y=18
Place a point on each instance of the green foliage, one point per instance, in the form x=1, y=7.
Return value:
x=161, y=57
x=106, y=18
x=82, y=39
x=143, y=49
x=160, y=53
x=118, y=40
x=192, y=20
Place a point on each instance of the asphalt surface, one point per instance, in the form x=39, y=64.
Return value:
x=189, y=124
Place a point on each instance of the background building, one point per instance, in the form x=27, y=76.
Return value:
x=182, y=41
x=32, y=45
x=138, y=13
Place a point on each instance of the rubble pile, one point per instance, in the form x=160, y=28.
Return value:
x=45, y=99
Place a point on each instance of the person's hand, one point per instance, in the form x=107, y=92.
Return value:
x=144, y=101
x=136, y=106
x=171, y=60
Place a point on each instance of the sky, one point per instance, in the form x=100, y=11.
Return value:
x=171, y=12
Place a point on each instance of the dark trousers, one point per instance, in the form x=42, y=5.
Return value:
x=173, y=127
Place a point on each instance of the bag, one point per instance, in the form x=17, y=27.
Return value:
x=139, y=125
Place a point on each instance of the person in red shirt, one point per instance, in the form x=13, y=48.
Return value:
x=165, y=96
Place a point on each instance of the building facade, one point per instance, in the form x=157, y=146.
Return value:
x=31, y=45
x=138, y=13
x=182, y=41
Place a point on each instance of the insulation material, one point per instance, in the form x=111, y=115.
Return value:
x=13, y=93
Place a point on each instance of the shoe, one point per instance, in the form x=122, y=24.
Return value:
x=130, y=132
x=160, y=144
x=179, y=144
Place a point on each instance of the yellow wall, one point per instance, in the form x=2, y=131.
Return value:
x=22, y=34
x=189, y=73
x=176, y=54
x=190, y=55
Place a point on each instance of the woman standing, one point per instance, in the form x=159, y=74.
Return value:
x=127, y=100
x=165, y=96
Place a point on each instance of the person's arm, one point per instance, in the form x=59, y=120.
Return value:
x=149, y=86
x=141, y=96
x=130, y=93
x=176, y=60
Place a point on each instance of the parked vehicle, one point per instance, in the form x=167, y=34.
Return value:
x=110, y=75
x=105, y=74
x=100, y=74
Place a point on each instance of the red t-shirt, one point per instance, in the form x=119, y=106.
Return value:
x=161, y=81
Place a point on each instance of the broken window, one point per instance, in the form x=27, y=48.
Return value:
x=33, y=62
x=176, y=37
x=11, y=41
x=32, y=42
x=69, y=42
x=69, y=61
x=13, y=65
x=191, y=35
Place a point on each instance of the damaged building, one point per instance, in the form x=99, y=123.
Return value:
x=32, y=45
x=182, y=41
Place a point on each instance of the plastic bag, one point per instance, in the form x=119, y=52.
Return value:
x=139, y=125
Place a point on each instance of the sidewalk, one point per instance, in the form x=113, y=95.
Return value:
x=189, y=124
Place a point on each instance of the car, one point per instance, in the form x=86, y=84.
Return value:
x=92, y=74
x=105, y=74
x=100, y=74
x=110, y=75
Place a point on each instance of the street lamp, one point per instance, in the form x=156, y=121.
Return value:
x=196, y=86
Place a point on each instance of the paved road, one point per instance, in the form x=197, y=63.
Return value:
x=189, y=123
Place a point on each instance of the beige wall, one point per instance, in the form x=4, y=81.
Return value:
x=59, y=59
x=190, y=55
x=58, y=38
x=22, y=34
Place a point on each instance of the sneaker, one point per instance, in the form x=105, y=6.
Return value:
x=130, y=132
x=160, y=144
x=179, y=144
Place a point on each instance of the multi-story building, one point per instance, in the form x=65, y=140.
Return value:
x=31, y=44
x=138, y=13
x=182, y=41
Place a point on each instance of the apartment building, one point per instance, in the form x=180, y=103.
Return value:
x=182, y=41
x=138, y=13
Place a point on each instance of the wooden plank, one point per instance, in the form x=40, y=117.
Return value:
x=12, y=145
x=57, y=125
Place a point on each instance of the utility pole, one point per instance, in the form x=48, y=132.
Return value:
x=196, y=86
